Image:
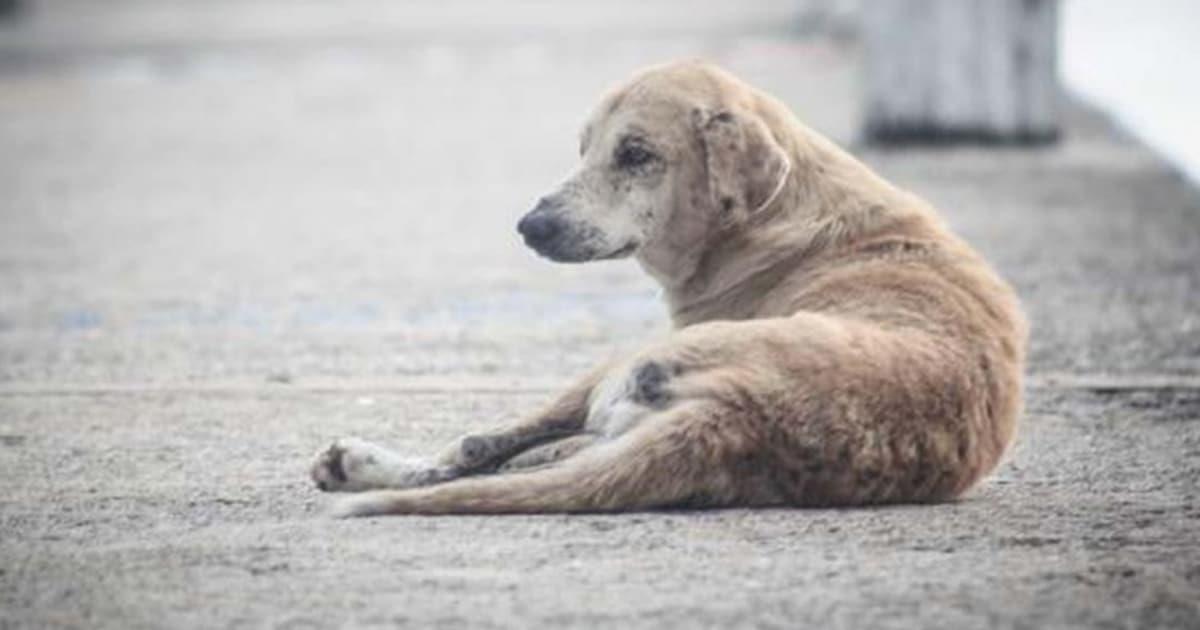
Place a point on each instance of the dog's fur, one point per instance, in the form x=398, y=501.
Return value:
x=834, y=343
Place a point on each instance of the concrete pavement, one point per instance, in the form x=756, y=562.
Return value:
x=233, y=231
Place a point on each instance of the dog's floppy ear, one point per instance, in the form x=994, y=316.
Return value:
x=746, y=166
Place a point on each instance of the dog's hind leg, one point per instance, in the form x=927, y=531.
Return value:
x=681, y=457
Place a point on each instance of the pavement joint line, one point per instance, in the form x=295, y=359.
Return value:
x=1096, y=383
x=1116, y=383
x=316, y=387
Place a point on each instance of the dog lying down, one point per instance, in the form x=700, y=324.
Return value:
x=834, y=343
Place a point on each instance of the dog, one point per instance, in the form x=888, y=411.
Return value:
x=833, y=343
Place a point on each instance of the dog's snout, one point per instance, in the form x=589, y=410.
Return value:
x=539, y=226
x=546, y=204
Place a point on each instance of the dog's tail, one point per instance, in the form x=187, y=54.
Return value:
x=650, y=467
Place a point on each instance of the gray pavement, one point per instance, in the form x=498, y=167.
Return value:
x=231, y=231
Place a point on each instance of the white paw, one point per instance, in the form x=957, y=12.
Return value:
x=353, y=465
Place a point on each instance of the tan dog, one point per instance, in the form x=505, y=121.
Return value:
x=835, y=344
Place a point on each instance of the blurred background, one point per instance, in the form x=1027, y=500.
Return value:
x=234, y=230
x=265, y=188
x=236, y=190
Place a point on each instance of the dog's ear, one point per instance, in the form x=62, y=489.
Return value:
x=746, y=166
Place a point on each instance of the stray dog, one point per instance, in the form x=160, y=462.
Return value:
x=834, y=343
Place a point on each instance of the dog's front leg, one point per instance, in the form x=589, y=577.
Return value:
x=566, y=416
x=354, y=465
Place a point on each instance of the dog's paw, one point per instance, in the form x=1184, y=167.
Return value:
x=353, y=465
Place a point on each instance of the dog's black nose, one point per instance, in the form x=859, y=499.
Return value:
x=539, y=227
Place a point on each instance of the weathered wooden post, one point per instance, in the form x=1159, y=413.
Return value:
x=942, y=71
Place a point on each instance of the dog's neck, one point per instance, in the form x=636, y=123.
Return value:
x=830, y=202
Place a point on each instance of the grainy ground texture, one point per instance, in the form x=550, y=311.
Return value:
x=231, y=231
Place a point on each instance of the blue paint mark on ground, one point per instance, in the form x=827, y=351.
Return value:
x=80, y=320
x=540, y=308
x=517, y=308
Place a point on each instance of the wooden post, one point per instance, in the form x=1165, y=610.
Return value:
x=941, y=71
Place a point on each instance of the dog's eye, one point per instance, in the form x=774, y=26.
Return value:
x=633, y=156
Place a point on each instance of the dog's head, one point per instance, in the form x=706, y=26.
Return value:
x=676, y=155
